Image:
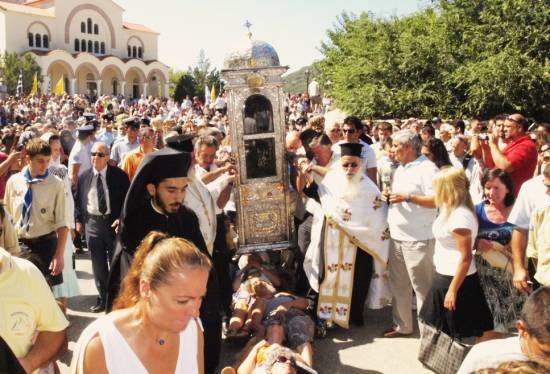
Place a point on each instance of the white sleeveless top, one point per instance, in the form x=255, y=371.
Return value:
x=121, y=359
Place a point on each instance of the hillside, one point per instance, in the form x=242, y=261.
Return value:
x=296, y=82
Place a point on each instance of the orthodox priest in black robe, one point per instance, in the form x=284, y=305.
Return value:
x=155, y=203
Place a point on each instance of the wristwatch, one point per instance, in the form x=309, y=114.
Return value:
x=408, y=198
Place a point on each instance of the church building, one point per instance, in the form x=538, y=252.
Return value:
x=87, y=44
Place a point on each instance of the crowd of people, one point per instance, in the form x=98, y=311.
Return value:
x=446, y=217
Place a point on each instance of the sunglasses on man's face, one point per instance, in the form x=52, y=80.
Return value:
x=98, y=154
x=348, y=131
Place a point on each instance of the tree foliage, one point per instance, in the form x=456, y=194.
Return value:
x=195, y=79
x=456, y=58
x=11, y=64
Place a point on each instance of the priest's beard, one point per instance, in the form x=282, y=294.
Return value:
x=166, y=208
x=350, y=186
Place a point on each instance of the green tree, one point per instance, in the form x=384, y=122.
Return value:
x=203, y=75
x=11, y=64
x=456, y=58
x=186, y=85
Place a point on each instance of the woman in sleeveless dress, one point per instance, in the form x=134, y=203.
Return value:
x=154, y=327
x=495, y=234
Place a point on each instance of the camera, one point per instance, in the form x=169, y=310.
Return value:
x=483, y=136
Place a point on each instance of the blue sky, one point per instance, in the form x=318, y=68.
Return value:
x=294, y=27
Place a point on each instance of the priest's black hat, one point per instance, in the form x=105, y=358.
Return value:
x=351, y=149
x=182, y=143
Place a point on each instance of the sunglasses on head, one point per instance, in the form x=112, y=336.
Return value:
x=286, y=360
x=98, y=154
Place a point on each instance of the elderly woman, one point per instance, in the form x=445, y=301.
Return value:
x=155, y=325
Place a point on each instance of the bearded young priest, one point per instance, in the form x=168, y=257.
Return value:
x=347, y=257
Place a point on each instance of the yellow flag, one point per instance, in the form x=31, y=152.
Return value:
x=213, y=95
x=34, y=89
x=59, y=87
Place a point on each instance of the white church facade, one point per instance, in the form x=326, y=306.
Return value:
x=87, y=44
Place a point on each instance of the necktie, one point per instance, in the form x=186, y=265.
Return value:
x=101, y=201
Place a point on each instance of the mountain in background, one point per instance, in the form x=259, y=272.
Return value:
x=296, y=82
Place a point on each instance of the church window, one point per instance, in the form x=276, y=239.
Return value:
x=45, y=41
x=140, y=52
x=77, y=45
x=83, y=27
x=90, y=46
x=38, y=41
x=134, y=52
x=96, y=47
x=83, y=45
x=96, y=29
x=129, y=51
x=102, y=48
x=31, y=39
x=89, y=25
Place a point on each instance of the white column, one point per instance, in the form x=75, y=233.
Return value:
x=99, y=88
x=166, y=91
x=123, y=88
x=145, y=89
x=73, y=86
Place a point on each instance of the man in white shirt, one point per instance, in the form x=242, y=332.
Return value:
x=410, y=217
x=531, y=198
x=128, y=143
x=533, y=341
x=80, y=159
x=351, y=131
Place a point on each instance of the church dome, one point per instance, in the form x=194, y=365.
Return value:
x=257, y=54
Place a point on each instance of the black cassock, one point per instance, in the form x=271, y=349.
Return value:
x=183, y=224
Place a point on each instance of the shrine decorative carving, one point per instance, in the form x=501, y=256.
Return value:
x=256, y=115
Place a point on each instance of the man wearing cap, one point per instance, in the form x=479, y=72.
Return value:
x=126, y=144
x=106, y=135
x=349, y=241
x=98, y=201
x=80, y=159
x=155, y=202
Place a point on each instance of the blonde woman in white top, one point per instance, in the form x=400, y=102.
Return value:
x=456, y=303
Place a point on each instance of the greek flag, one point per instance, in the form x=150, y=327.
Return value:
x=19, y=89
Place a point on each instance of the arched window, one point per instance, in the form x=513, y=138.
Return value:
x=258, y=115
x=83, y=27
x=96, y=47
x=83, y=45
x=45, y=41
x=77, y=45
x=38, y=41
x=96, y=29
x=89, y=25
x=140, y=52
x=134, y=52
x=90, y=46
x=102, y=48
x=31, y=39
x=129, y=50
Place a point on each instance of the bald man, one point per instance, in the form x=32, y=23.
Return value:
x=99, y=198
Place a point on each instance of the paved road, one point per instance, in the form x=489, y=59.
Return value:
x=354, y=351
